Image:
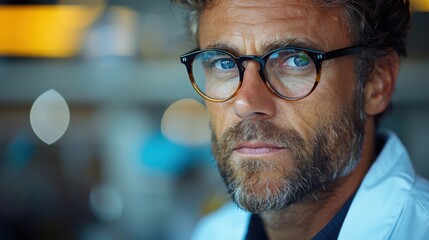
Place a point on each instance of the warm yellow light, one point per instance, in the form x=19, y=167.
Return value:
x=44, y=31
x=420, y=5
x=89, y=11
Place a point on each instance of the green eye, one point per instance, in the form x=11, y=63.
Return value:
x=301, y=60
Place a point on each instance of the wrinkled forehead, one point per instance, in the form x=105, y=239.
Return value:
x=263, y=22
x=258, y=6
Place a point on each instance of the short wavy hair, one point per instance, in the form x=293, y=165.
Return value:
x=382, y=25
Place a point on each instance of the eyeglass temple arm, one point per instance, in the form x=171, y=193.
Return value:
x=344, y=52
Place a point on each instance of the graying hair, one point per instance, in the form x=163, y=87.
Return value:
x=381, y=24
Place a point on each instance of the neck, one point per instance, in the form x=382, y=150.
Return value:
x=305, y=219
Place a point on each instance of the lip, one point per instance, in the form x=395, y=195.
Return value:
x=257, y=148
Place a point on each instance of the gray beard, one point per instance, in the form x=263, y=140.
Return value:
x=261, y=186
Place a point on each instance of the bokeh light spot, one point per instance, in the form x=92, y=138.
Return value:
x=46, y=30
x=49, y=116
x=186, y=122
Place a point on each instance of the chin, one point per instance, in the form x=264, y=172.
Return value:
x=262, y=186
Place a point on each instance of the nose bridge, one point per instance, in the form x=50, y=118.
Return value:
x=253, y=100
x=245, y=60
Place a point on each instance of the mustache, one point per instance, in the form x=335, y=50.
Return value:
x=248, y=130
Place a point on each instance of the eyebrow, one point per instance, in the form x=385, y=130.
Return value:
x=292, y=42
x=266, y=47
x=224, y=46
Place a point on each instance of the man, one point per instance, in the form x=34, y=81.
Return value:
x=294, y=89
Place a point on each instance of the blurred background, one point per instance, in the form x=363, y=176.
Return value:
x=101, y=133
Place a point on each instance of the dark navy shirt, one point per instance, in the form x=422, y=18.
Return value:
x=331, y=231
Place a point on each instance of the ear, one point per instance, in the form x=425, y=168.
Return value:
x=381, y=84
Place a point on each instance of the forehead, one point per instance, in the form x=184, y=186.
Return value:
x=255, y=25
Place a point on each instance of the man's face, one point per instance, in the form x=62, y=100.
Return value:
x=273, y=152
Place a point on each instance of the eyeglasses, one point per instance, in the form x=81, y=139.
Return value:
x=290, y=73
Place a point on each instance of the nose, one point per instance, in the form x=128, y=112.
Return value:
x=254, y=101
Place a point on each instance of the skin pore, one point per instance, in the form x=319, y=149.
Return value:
x=252, y=27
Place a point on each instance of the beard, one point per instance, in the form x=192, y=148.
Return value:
x=266, y=185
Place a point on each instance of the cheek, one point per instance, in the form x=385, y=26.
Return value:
x=336, y=86
x=301, y=116
x=333, y=93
